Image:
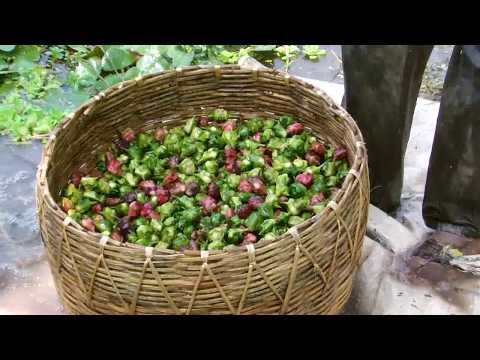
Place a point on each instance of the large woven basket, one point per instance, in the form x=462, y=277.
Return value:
x=306, y=271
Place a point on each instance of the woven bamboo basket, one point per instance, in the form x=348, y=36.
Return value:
x=309, y=270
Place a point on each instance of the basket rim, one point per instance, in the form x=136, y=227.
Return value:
x=360, y=156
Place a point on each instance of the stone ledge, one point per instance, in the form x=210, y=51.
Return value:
x=390, y=233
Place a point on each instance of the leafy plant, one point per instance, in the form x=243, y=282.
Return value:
x=228, y=57
x=86, y=73
x=36, y=82
x=18, y=59
x=287, y=53
x=261, y=48
x=57, y=53
x=149, y=64
x=49, y=79
x=24, y=121
x=117, y=59
x=313, y=52
x=80, y=49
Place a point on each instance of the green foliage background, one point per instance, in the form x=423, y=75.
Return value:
x=40, y=84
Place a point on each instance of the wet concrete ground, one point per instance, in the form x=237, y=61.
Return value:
x=329, y=68
x=25, y=282
x=18, y=228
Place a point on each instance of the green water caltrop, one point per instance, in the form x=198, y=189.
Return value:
x=216, y=181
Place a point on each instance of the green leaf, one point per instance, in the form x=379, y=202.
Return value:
x=131, y=74
x=159, y=50
x=80, y=48
x=171, y=50
x=6, y=87
x=182, y=59
x=287, y=53
x=87, y=72
x=117, y=59
x=155, y=50
x=3, y=64
x=66, y=100
x=7, y=113
x=313, y=52
x=29, y=52
x=178, y=56
x=149, y=64
x=108, y=81
x=22, y=120
x=264, y=47
x=97, y=51
x=26, y=57
x=7, y=48
x=228, y=57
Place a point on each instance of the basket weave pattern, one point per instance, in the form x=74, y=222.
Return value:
x=309, y=270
